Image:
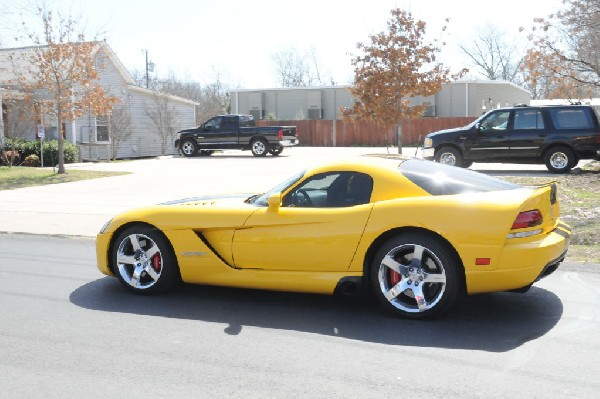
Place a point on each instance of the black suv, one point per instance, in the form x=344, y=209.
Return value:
x=557, y=135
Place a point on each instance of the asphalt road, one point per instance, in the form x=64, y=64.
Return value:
x=66, y=331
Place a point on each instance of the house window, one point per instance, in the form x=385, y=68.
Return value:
x=102, y=129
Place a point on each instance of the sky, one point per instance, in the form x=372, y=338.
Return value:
x=235, y=40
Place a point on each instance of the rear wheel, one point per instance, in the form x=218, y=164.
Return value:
x=259, y=148
x=189, y=148
x=415, y=276
x=560, y=159
x=276, y=150
x=143, y=261
x=449, y=156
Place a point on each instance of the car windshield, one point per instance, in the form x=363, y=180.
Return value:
x=261, y=200
x=439, y=179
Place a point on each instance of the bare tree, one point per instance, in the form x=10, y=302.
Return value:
x=570, y=42
x=496, y=58
x=297, y=69
x=120, y=128
x=163, y=119
x=213, y=100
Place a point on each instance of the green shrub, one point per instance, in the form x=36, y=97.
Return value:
x=50, y=149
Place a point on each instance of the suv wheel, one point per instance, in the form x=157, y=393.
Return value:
x=449, y=156
x=559, y=159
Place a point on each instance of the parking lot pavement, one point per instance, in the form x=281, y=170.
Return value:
x=81, y=208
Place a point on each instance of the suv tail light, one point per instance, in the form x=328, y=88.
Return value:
x=280, y=134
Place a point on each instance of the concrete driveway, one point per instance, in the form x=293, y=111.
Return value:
x=81, y=208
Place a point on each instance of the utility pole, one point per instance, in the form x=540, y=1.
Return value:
x=149, y=68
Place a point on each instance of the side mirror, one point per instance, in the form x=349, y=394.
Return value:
x=274, y=201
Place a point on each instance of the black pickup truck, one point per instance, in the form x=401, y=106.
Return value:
x=238, y=132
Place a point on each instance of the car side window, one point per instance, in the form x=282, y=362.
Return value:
x=528, y=119
x=229, y=123
x=497, y=121
x=571, y=118
x=213, y=124
x=328, y=190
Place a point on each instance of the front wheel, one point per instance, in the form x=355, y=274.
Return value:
x=449, y=156
x=415, y=276
x=189, y=148
x=276, y=150
x=143, y=261
x=259, y=148
x=560, y=159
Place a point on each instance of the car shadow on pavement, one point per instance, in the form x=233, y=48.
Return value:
x=496, y=322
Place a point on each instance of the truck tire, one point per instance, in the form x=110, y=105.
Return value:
x=259, y=147
x=189, y=148
x=276, y=150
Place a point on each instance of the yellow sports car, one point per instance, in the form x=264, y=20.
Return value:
x=417, y=234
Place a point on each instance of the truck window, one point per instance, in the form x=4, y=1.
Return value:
x=229, y=123
x=213, y=124
x=247, y=121
x=571, y=118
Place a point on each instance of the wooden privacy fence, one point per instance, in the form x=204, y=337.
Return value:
x=329, y=133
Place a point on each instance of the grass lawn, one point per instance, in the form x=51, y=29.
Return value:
x=19, y=177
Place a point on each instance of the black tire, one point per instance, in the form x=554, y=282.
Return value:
x=467, y=164
x=449, y=156
x=143, y=260
x=560, y=159
x=188, y=147
x=276, y=150
x=205, y=153
x=434, y=276
x=259, y=148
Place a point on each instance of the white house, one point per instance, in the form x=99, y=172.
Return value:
x=91, y=133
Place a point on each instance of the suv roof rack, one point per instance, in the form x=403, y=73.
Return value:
x=521, y=105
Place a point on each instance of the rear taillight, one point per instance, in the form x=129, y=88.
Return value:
x=280, y=133
x=528, y=219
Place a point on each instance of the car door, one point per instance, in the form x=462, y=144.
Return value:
x=219, y=132
x=528, y=133
x=489, y=139
x=318, y=234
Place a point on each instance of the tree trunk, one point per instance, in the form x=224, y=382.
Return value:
x=61, y=143
x=399, y=137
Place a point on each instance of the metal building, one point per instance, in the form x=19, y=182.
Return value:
x=456, y=99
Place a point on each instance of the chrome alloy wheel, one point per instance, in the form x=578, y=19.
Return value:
x=412, y=278
x=139, y=261
x=259, y=147
x=448, y=158
x=559, y=160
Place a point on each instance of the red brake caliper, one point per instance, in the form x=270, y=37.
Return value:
x=156, y=264
x=394, y=278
